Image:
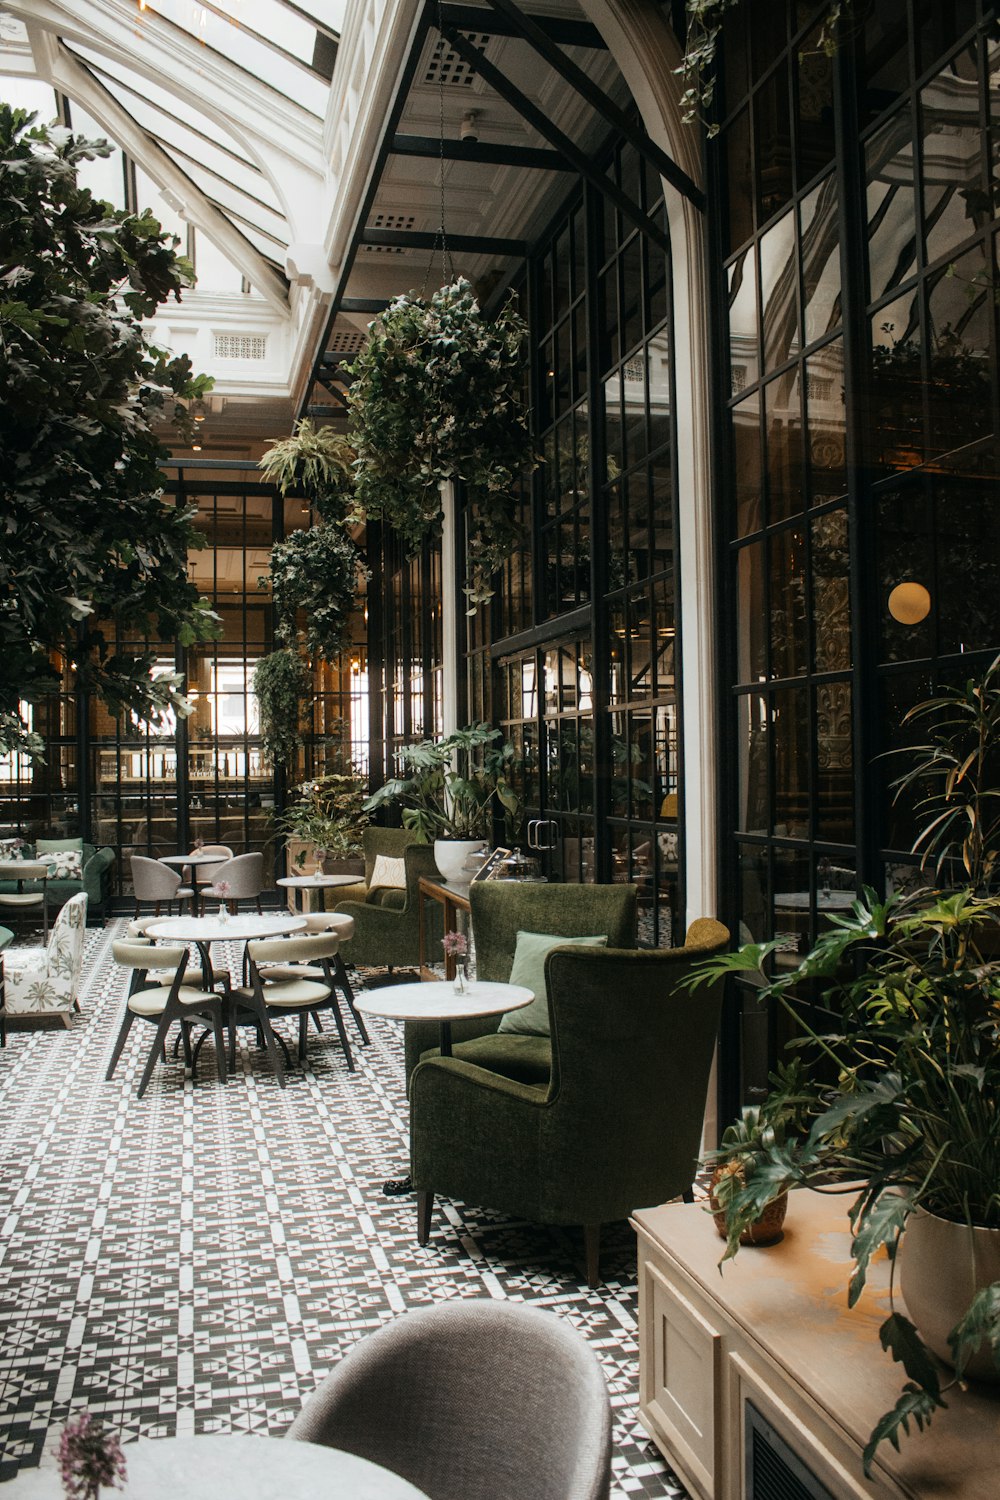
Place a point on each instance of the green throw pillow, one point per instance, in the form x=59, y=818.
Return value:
x=529, y=969
x=58, y=846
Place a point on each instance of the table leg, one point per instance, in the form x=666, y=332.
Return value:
x=445, y=1038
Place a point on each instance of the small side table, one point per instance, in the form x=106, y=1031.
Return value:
x=439, y=1001
x=301, y=885
x=22, y=870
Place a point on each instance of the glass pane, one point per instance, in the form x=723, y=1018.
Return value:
x=743, y=321
x=785, y=478
x=955, y=201
x=820, y=241
x=779, y=290
x=897, y=414
x=772, y=138
x=815, y=146
x=788, y=613
x=891, y=214
x=831, y=592
x=747, y=465
x=967, y=553
x=754, y=914
x=826, y=422
x=790, y=752
x=739, y=178
x=834, y=763
x=752, y=744
x=961, y=315
x=906, y=573
x=750, y=609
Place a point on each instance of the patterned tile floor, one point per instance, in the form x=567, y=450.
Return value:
x=197, y=1261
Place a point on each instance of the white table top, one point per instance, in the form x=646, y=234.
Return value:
x=211, y=929
x=436, y=1000
x=317, y=881
x=25, y=869
x=231, y=1468
x=193, y=859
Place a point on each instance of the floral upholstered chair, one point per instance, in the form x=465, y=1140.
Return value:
x=44, y=981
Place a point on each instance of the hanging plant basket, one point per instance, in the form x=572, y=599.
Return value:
x=281, y=683
x=437, y=395
x=317, y=572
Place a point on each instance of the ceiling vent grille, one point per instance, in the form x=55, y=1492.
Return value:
x=350, y=342
x=239, y=345
x=446, y=66
x=389, y=221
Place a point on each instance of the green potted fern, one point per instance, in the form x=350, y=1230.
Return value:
x=901, y=1098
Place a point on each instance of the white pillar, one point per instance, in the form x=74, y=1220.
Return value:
x=449, y=614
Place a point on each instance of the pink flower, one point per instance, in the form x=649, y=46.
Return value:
x=199, y=843
x=455, y=943
x=88, y=1458
x=223, y=888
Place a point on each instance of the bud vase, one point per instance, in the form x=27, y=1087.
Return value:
x=223, y=912
x=459, y=980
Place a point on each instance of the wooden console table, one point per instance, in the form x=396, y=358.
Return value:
x=454, y=898
x=761, y=1379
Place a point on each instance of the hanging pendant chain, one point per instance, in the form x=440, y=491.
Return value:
x=447, y=267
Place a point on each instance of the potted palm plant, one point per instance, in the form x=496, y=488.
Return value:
x=449, y=791
x=901, y=1106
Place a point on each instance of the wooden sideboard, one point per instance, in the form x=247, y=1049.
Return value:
x=760, y=1382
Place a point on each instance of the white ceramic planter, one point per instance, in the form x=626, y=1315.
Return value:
x=941, y=1266
x=450, y=856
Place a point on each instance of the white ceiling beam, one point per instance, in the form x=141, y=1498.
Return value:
x=56, y=65
x=283, y=138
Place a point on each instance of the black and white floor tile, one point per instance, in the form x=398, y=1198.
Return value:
x=196, y=1261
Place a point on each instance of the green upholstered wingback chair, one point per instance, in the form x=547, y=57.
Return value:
x=618, y=1125
x=501, y=909
x=386, y=919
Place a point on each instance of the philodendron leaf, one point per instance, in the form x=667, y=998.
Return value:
x=878, y=1226
x=904, y=1343
x=913, y=1403
x=981, y=1324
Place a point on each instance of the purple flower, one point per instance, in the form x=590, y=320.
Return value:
x=455, y=943
x=88, y=1458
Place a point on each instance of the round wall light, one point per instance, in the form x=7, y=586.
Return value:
x=909, y=603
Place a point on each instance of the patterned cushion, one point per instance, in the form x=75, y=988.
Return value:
x=11, y=848
x=388, y=872
x=66, y=865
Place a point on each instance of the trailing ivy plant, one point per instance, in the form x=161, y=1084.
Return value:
x=282, y=683
x=437, y=395
x=698, y=66
x=315, y=571
x=91, y=553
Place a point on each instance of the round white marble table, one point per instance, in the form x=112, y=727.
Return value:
x=438, y=1000
x=300, y=885
x=231, y=1468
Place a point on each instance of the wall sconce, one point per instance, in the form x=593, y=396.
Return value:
x=196, y=446
x=909, y=603
x=197, y=410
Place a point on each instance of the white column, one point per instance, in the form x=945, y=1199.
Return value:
x=449, y=614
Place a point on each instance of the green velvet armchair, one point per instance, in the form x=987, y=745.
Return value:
x=617, y=1126
x=385, y=918
x=500, y=910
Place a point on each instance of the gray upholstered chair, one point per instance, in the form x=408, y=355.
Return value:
x=472, y=1401
x=156, y=885
x=243, y=874
x=617, y=1124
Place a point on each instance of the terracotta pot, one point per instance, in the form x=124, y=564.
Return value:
x=942, y=1265
x=763, y=1231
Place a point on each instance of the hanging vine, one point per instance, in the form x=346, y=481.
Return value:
x=437, y=395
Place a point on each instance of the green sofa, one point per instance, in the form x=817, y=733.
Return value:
x=500, y=909
x=96, y=880
x=616, y=1127
x=386, y=931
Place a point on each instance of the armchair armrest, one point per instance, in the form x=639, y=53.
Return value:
x=97, y=877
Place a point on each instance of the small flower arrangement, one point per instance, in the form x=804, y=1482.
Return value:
x=89, y=1457
x=223, y=889
x=455, y=944
x=199, y=844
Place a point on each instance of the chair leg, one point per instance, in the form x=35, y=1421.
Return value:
x=303, y=1036
x=345, y=984
x=220, y=1045
x=425, y=1206
x=688, y=1195
x=186, y=1043
x=163, y=1026
x=335, y=1007
x=592, y=1253
x=317, y=1021
x=126, y=1027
